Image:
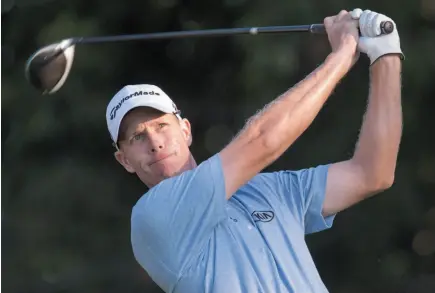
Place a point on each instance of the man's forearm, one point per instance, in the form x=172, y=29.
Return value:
x=379, y=141
x=286, y=118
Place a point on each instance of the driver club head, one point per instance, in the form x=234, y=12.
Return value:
x=48, y=68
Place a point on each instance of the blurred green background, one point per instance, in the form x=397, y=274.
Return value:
x=66, y=203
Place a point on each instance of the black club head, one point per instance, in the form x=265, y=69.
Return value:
x=48, y=68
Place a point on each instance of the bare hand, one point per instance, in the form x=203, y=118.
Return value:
x=342, y=32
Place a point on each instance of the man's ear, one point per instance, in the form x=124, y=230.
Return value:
x=121, y=158
x=187, y=131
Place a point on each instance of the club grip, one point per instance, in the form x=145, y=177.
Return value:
x=387, y=27
x=317, y=29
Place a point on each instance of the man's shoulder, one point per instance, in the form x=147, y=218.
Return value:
x=169, y=188
x=147, y=198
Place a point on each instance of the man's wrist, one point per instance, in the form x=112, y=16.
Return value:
x=343, y=57
x=387, y=67
x=388, y=61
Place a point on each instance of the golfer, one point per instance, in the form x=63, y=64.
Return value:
x=222, y=226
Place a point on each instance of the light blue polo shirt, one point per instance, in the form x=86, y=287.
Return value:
x=190, y=239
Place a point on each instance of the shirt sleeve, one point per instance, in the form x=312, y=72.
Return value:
x=173, y=221
x=303, y=192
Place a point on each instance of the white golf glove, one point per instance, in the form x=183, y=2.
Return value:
x=371, y=41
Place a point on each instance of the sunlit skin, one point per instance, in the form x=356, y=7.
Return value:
x=154, y=145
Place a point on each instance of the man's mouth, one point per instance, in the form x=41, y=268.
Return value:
x=160, y=159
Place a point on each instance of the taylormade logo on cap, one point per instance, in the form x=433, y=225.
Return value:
x=133, y=96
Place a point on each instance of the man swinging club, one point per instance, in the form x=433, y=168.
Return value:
x=223, y=226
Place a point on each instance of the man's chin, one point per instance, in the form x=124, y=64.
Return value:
x=166, y=170
x=171, y=173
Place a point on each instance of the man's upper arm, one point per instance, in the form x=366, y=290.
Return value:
x=346, y=186
x=174, y=220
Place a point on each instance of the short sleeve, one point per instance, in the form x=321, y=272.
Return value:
x=173, y=221
x=303, y=191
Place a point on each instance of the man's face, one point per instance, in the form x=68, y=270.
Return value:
x=154, y=145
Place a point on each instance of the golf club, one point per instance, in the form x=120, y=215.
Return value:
x=48, y=68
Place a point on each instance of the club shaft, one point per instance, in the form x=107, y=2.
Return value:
x=312, y=28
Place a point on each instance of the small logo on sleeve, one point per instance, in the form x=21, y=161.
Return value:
x=263, y=216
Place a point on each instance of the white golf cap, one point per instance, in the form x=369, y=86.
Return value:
x=133, y=96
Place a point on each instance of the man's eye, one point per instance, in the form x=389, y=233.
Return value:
x=138, y=136
x=161, y=125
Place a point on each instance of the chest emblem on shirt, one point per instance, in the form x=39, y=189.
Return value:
x=263, y=216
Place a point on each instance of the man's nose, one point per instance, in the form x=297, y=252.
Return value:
x=156, y=148
x=156, y=145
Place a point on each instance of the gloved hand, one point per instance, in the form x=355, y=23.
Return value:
x=371, y=41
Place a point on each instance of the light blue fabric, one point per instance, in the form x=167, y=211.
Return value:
x=190, y=239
